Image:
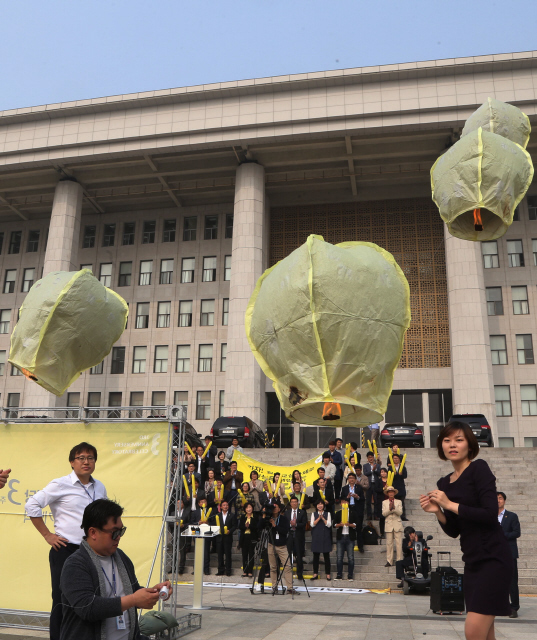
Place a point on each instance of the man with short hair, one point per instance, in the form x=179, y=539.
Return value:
x=234, y=447
x=191, y=473
x=409, y=556
x=511, y=528
x=202, y=465
x=67, y=498
x=218, y=495
x=329, y=468
x=324, y=492
x=232, y=483
x=355, y=456
x=371, y=470
x=354, y=494
x=204, y=515
x=277, y=546
x=345, y=539
x=183, y=515
x=100, y=591
x=298, y=493
x=224, y=542
x=213, y=451
x=361, y=479
x=296, y=540
x=337, y=460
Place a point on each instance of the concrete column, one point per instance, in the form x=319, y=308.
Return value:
x=61, y=255
x=64, y=230
x=245, y=382
x=426, y=426
x=471, y=365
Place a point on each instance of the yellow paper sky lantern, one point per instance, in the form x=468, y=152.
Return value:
x=326, y=325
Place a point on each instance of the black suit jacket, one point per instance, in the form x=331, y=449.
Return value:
x=231, y=524
x=359, y=491
x=205, y=466
x=328, y=494
x=511, y=528
x=211, y=499
x=353, y=517
x=370, y=470
x=282, y=529
x=399, y=481
x=301, y=521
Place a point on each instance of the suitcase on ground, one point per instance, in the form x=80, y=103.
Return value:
x=447, y=595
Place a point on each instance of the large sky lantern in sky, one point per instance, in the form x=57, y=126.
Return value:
x=327, y=325
x=68, y=323
x=479, y=181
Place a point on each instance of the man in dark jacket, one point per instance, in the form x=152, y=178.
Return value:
x=327, y=494
x=232, y=482
x=511, y=528
x=100, y=591
x=224, y=542
x=277, y=548
x=409, y=556
x=204, y=514
x=202, y=465
x=371, y=470
x=345, y=539
x=296, y=540
x=353, y=493
x=337, y=460
x=213, y=451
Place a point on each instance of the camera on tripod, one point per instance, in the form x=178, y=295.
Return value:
x=268, y=511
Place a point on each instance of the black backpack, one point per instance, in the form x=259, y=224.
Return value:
x=370, y=535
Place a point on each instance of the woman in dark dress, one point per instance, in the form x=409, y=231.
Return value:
x=221, y=466
x=321, y=539
x=248, y=529
x=466, y=505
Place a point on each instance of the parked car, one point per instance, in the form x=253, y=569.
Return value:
x=226, y=428
x=405, y=434
x=479, y=425
x=193, y=438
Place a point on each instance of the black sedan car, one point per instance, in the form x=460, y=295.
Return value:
x=479, y=425
x=226, y=428
x=404, y=434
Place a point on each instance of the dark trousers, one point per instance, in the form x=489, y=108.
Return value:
x=248, y=551
x=264, y=568
x=404, y=508
x=337, y=486
x=316, y=563
x=359, y=525
x=184, y=548
x=57, y=560
x=382, y=524
x=294, y=546
x=378, y=504
x=370, y=496
x=513, y=589
x=400, y=567
x=224, y=553
x=345, y=544
x=207, y=556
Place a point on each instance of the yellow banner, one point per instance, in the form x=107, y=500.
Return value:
x=131, y=463
x=308, y=469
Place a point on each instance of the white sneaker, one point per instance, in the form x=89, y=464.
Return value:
x=351, y=579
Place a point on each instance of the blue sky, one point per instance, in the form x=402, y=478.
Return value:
x=56, y=50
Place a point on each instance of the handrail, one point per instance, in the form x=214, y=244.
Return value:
x=168, y=413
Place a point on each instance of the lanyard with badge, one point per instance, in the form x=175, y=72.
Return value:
x=92, y=498
x=120, y=620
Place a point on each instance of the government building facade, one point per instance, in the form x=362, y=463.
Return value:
x=179, y=199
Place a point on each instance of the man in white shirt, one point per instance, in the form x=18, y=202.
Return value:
x=329, y=468
x=234, y=447
x=67, y=498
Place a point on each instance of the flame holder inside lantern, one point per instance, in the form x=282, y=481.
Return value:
x=315, y=413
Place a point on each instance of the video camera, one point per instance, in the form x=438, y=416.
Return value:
x=268, y=512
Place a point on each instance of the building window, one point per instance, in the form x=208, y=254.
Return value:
x=15, y=371
x=96, y=370
x=229, y=225
x=520, y=300
x=118, y=360
x=223, y=356
x=187, y=270
x=506, y=442
x=494, y=301
x=180, y=399
x=203, y=405
x=532, y=207
x=211, y=228
x=163, y=314
x=114, y=400
x=166, y=271
x=227, y=268
x=128, y=233
x=125, y=274
x=209, y=269
x=185, y=313
x=146, y=269
x=109, y=235
x=136, y=400
x=94, y=400
x=490, y=254
x=73, y=400
x=516, y=215
x=1, y=240
x=225, y=312
x=5, y=319
x=189, y=228
x=221, y=403
x=105, y=274
x=15, y=242
x=498, y=349
x=148, y=236
x=534, y=250
x=2, y=362
x=158, y=399
x=142, y=315
x=139, y=356
x=515, y=253
x=161, y=359
x=168, y=234
x=9, y=282
x=205, y=360
x=183, y=358
x=13, y=400
x=86, y=266
x=28, y=280
x=502, y=395
x=524, y=348
x=207, y=313
x=89, y=236
x=33, y=241
x=528, y=395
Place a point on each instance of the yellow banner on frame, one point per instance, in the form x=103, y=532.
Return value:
x=131, y=462
x=308, y=469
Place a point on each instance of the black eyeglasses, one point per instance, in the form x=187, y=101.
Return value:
x=116, y=533
x=84, y=458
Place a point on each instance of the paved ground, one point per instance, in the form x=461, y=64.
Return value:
x=237, y=615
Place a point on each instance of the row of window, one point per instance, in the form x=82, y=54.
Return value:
x=10, y=280
x=515, y=253
x=524, y=349
x=149, y=230
x=145, y=274
x=15, y=241
x=528, y=398
x=136, y=399
x=519, y=296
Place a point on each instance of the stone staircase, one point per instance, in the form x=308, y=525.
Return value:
x=515, y=471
